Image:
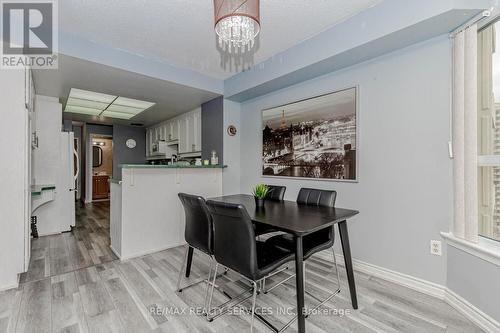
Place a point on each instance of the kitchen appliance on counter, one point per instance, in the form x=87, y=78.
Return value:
x=160, y=149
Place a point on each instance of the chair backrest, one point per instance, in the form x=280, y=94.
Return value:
x=199, y=228
x=276, y=193
x=234, y=238
x=314, y=197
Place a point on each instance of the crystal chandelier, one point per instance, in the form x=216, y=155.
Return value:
x=237, y=23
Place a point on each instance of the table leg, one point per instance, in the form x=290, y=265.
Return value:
x=189, y=261
x=299, y=276
x=346, y=248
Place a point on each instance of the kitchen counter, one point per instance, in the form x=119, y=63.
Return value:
x=171, y=166
x=146, y=213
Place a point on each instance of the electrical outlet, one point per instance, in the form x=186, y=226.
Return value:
x=436, y=247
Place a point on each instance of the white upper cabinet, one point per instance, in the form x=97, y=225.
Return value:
x=186, y=129
x=190, y=133
x=168, y=130
x=197, y=130
x=174, y=128
x=183, y=135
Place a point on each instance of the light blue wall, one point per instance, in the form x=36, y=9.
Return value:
x=124, y=155
x=476, y=280
x=405, y=186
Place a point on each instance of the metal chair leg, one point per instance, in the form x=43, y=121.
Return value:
x=209, y=306
x=182, y=269
x=205, y=305
x=253, y=304
x=278, y=284
x=336, y=266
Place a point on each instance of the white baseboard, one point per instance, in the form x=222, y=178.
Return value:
x=478, y=317
x=141, y=254
x=471, y=312
x=52, y=233
x=8, y=287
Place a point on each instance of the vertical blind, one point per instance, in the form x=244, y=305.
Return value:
x=465, y=134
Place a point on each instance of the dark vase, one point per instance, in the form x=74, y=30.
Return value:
x=259, y=202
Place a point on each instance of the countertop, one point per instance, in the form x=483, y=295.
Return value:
x=37, y=189
x=172, y=166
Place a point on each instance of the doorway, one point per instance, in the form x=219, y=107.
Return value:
x=100, y=167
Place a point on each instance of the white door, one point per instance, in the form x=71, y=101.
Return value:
x=67, y=182
x=76, y=167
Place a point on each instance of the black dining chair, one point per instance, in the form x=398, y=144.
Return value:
x=315, y=242
x=236, y=248
x=275, y=193
x=198, y=234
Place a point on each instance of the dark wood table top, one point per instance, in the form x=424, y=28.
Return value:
x=289, y=216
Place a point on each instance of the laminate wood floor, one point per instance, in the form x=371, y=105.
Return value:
x=75, y=284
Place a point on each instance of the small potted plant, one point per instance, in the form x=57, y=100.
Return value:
x=260, y=192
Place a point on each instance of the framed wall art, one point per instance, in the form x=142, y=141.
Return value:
x=312, y=138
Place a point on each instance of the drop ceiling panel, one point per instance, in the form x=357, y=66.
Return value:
x=171, y=99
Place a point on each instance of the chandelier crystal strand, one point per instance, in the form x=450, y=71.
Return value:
x=237, y=23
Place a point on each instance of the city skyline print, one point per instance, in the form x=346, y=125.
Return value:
x=312, y=138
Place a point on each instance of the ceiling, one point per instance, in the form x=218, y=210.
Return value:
x=171, y=99
x=180, y=32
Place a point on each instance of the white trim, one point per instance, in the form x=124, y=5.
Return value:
x=485, y=249
x=474, y=314
x=471, y=312
x=8, y=287
x=115, y=252
x=144, y=253
x=412, y=282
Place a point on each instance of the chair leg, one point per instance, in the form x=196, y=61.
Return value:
x=254, y=299
x=182, y=269
x=209, y=306
x=205, y=305
x=336, y=266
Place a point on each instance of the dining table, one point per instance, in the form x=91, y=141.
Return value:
x=298, y=220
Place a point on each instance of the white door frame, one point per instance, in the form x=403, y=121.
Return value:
x=88, y=164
